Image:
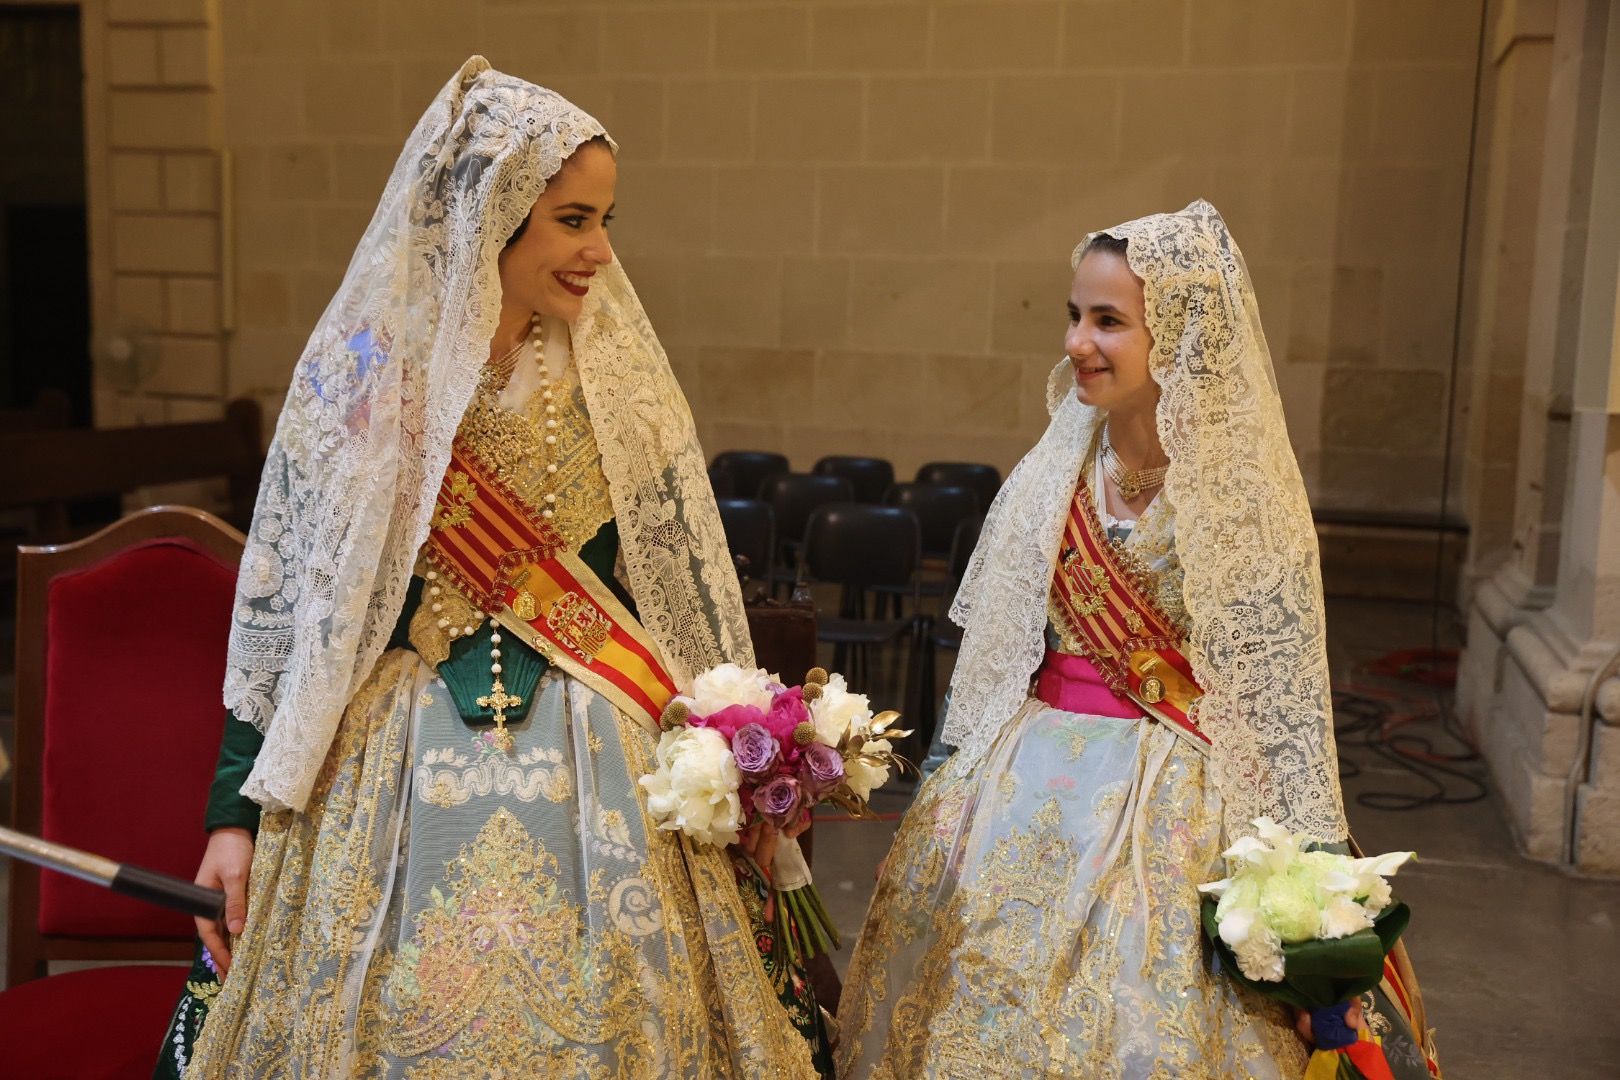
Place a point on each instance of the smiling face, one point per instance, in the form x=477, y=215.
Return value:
x=549, y=266
x=1108, y=341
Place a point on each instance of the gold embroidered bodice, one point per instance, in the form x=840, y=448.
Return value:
x=512, y=441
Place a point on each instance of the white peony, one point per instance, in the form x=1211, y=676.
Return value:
x=862, y=775
x=837, y=711
x=694, y=787
x=727, y=685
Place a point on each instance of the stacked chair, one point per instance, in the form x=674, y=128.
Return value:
x=740, y=473
x=869, y=477
x=895, y=552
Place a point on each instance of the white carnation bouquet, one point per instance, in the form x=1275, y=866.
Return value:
x=1313, y=929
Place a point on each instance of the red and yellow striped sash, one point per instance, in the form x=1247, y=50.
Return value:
x=517, y=568
x=1108, y=615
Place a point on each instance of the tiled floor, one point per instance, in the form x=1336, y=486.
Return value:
x=1520, y=964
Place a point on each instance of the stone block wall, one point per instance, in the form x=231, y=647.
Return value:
x=851, y=221
x=157, y=238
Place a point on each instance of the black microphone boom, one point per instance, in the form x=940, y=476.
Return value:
x=152, y=886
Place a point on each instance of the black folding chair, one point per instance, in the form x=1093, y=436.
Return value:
x=940, y=509
x=984, y=479
x=746, y=470
x=869, y=476
x=751, y=534
x=792, y=497
x=721, y=480
x=859, y=547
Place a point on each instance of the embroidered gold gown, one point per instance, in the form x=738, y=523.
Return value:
x=1039, y=916
x=448, y=909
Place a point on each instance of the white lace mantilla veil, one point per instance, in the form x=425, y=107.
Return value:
x=364, y=438
x=1244, y=536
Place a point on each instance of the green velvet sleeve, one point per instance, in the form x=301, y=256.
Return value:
x=227, y=806
x=465, y=673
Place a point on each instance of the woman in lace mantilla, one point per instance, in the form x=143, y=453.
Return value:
x=1142, y=674
x=452, y=869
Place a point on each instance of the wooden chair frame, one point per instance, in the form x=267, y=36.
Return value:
x=30, y=951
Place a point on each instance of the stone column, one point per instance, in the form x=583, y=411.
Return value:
x=1549, y=619
x=1502, y=239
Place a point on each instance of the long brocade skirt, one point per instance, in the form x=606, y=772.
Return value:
x=1039, y=917
x=446, y=909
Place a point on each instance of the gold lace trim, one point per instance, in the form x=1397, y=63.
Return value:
x=1009, y=982
x=500, y=930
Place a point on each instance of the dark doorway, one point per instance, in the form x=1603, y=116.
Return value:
x=44, y=250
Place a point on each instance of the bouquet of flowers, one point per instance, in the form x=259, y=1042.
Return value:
x=1310, y=928
x=740, y=747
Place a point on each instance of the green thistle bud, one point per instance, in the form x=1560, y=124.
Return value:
x=675, y=714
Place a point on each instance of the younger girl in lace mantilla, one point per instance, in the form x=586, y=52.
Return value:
x=1150, y=573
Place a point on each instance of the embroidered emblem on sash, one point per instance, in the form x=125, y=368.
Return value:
x=578, y=624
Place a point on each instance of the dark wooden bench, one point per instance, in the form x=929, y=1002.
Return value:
x=48, y=469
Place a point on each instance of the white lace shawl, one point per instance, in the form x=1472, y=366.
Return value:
x=1244, y=537
x=364, y=438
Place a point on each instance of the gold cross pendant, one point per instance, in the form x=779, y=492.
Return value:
x=499, y=700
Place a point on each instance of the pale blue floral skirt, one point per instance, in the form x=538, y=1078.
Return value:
x=1039, y=917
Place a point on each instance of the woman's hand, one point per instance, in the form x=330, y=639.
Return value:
x=1353, y=1016
x=760, y=839
x=225, y=865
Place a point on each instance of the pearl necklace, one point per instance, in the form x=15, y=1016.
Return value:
x=1130, y=482
x=537, y=340
x=498, y=700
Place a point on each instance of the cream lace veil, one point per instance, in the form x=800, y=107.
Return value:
x=1244, y=537
x=376, y=397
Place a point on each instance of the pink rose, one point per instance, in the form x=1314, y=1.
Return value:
x=788, y=711
x=729, y=720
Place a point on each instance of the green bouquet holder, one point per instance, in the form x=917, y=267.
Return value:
x=1321, y=972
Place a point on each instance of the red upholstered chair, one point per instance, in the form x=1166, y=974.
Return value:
x=120, y=653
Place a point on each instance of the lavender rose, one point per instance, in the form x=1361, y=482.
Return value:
x=821, y=768
x=778, y=800
x=755, y=750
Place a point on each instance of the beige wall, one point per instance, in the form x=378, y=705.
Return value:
x=851, y=221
